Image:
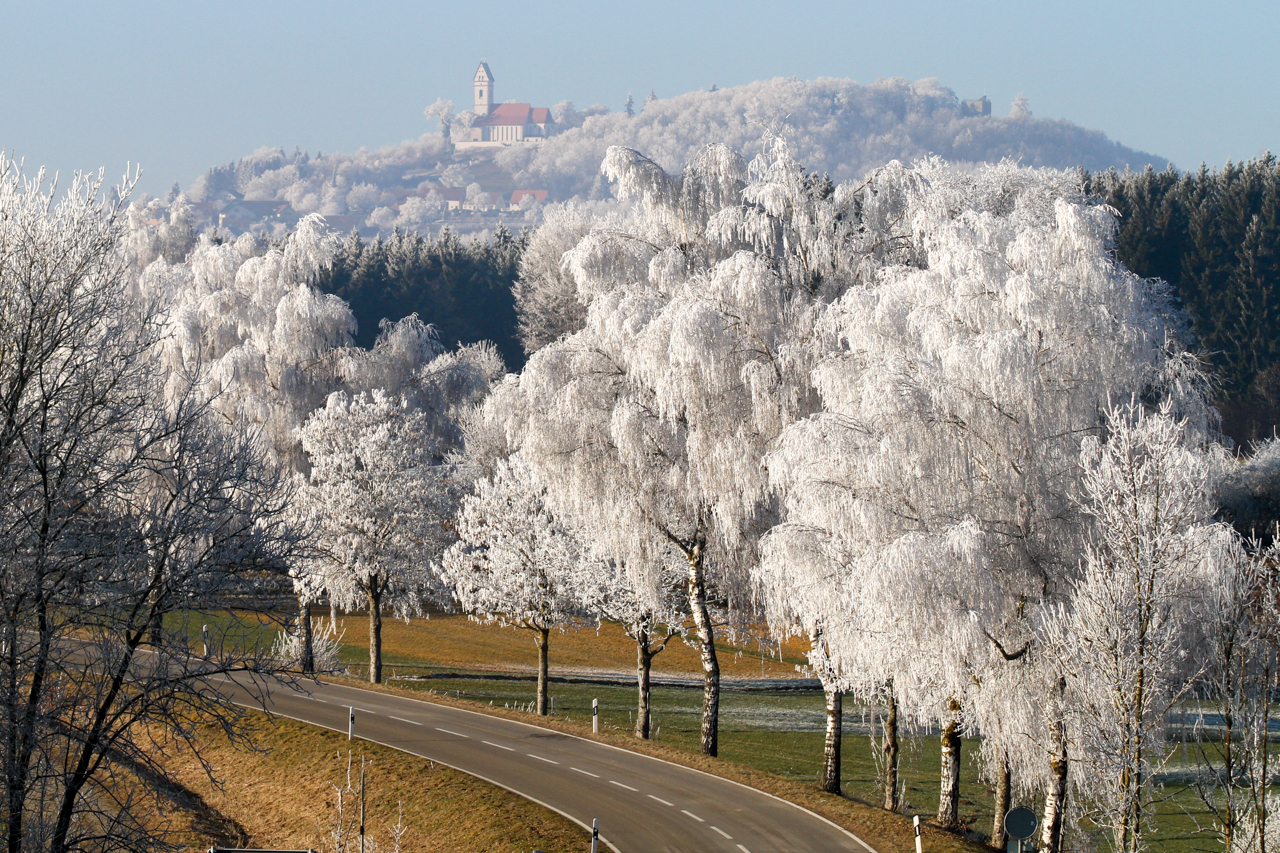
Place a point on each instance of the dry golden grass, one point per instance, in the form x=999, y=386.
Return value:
x=886, y=831
x=282, y=797
x=454, y=641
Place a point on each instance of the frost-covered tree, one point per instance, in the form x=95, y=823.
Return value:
x=515, y=562
x=957, y=385
x=546, y=293
x=376, y=496
x=270, y=346
x=442, y=109
x=648, y=605
x=686, y=368
x=1123, y=643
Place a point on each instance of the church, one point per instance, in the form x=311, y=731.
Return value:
x=504, y=124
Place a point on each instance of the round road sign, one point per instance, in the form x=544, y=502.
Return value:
x=1020, y=823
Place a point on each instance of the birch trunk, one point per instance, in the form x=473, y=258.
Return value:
x=1002, y=802
x=1055, y=798
x=710, y=736
x=308, y=657
x=644, y=664
x=375, y=631
x=831, y=749
x=889, y=750
x=949, y=796
x=543, y=640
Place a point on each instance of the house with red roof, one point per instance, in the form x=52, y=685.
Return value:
x=504, y=124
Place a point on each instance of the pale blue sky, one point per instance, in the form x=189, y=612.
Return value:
x=180, y=86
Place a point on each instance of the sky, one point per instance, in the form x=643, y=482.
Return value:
x=179, y=87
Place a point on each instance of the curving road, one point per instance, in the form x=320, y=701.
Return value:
x=644, y=804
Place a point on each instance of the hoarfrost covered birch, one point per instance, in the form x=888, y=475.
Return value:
x=957, y=385
x=651, y=421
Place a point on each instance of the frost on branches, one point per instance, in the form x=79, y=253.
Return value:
x=935, y=496
x=1123, y=644
x=650, y=422
x=514, y=562
x=376, y=497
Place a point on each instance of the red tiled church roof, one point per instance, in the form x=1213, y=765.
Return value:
x=505, y=114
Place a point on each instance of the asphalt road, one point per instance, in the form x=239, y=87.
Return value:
x=644, y=804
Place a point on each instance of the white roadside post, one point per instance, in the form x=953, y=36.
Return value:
x=595, y=716
x=351, y=721
x=595, y=835
x=205, y=631
x=915, y=821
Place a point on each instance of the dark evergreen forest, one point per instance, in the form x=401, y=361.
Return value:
x=1214, y=235
x=462, y=287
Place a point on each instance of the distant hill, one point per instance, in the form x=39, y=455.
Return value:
x=836, y=126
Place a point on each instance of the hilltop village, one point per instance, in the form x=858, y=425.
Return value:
x=463, y=188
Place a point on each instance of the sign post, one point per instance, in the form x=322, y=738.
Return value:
x=1019, y=824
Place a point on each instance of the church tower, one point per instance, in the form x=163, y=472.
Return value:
x=483, y=87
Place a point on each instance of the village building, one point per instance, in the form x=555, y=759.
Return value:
x=496, y=125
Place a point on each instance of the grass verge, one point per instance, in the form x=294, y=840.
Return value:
x=281, y=795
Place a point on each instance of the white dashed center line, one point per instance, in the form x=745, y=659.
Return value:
x=585, y=773
x=743, y=849
x=457, y=734
x=498, y=745
x=540, y=758
x=659, y=799
x=620, y=785
x=722, y=832
x=403, y=720
x=692, y=815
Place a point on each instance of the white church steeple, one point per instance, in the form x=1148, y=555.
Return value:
x=483, y=87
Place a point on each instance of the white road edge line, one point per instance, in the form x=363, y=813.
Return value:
x=620, y=785
x=743, y=849
x=498, y=745
x=659, y=799
x=692, y=815
x=403, y=720
x=586, y=773
x=540, y=758
x=455, y=734
x=722, y=832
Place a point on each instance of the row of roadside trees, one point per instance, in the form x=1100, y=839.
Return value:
x=925, y=420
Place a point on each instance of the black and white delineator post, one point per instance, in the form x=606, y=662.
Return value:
x=915, y=821
x=595, y=835
x=1019, y=824
x=595, y=716
x=205, y=632
x=351, y=721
